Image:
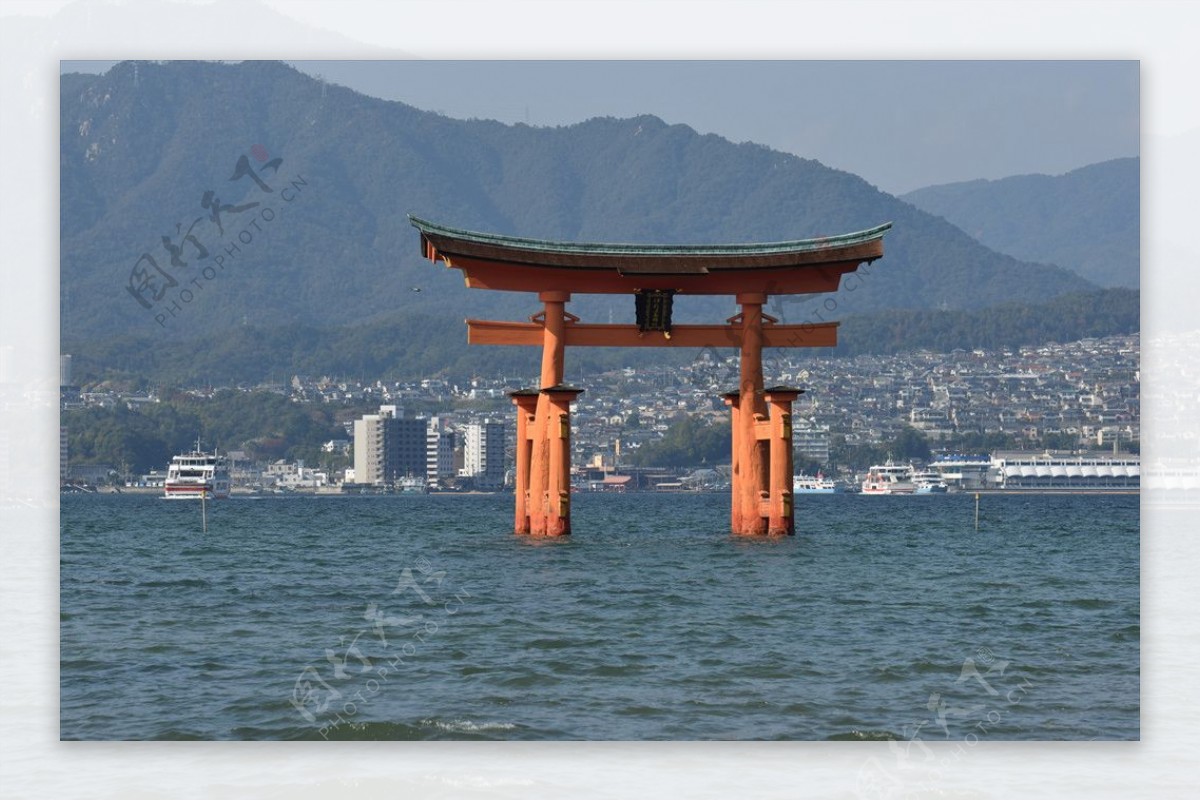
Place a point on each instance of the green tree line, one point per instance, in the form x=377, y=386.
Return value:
x=264, y=424
x=422, y=346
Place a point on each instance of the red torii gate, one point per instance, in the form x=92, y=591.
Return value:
x=654, y=274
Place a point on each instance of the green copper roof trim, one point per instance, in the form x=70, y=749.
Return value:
x=547, y=246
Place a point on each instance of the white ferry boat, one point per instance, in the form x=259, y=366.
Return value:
x=412, y=484
x=889, y=479
x=197, y=475
x=928, y=482
x=814, y=485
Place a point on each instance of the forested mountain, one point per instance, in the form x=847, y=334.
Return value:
x=285, y=201
x=1085, y=220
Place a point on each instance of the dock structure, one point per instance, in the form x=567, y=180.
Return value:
x=761, y=447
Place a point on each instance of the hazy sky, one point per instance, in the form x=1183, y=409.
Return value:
x=899, y=124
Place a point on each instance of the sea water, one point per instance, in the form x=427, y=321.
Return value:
x=423, y=617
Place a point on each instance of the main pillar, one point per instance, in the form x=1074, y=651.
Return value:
x=554, y=321
x=558, y=442
x=549, y=484
x=750, y=468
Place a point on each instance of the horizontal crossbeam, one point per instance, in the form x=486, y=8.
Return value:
x=806, y=335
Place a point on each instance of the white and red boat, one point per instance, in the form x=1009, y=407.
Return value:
x=818, y=485
x=889, y=479
x=197, y=475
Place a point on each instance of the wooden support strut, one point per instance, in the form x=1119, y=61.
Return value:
x=575, y=334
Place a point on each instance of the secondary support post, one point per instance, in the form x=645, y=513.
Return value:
x=732, y=400
x=781, y=520
x=526, y=402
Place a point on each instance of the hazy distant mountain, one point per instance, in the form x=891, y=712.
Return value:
x=1086, y=220
x=143, y=144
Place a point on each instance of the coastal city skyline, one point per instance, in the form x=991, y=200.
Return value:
x=1071, y=398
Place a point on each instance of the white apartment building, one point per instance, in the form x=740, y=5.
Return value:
x=810, y=441
x=368, y=449
x=439, y=449
x=483, y=454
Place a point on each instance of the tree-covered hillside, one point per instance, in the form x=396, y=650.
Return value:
x=420, y=346
x=274, y=200
x=1086, y=220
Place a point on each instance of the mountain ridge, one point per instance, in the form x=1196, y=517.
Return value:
x=142, y=143
x=1086, y=220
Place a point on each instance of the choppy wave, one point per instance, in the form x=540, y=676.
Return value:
x=650, y=622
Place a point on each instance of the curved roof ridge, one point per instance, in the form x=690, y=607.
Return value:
x=631, y=249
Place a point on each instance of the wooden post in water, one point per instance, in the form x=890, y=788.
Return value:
x=733, y=401
x=750, y=478
x=549, y=504
x=204, y=510
x=526, y=402
x=977, y=512
x=782, y=519
x=558, y=436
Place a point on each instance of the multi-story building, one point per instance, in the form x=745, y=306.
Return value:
x=368, y=449
x=810, y=442
x=68, y=393
x=64, y=370
x=1015, y=470
x=388, y=447
x=63, y=461
x=404, y=448
x=439, y=449
x=483, y=454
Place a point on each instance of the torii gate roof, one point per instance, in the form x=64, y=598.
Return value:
x=494, y=261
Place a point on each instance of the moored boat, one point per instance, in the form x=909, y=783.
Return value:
x=814, y=485
x=197, y=474
x=888, y=479
x=411, y=484
x=928, y=482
